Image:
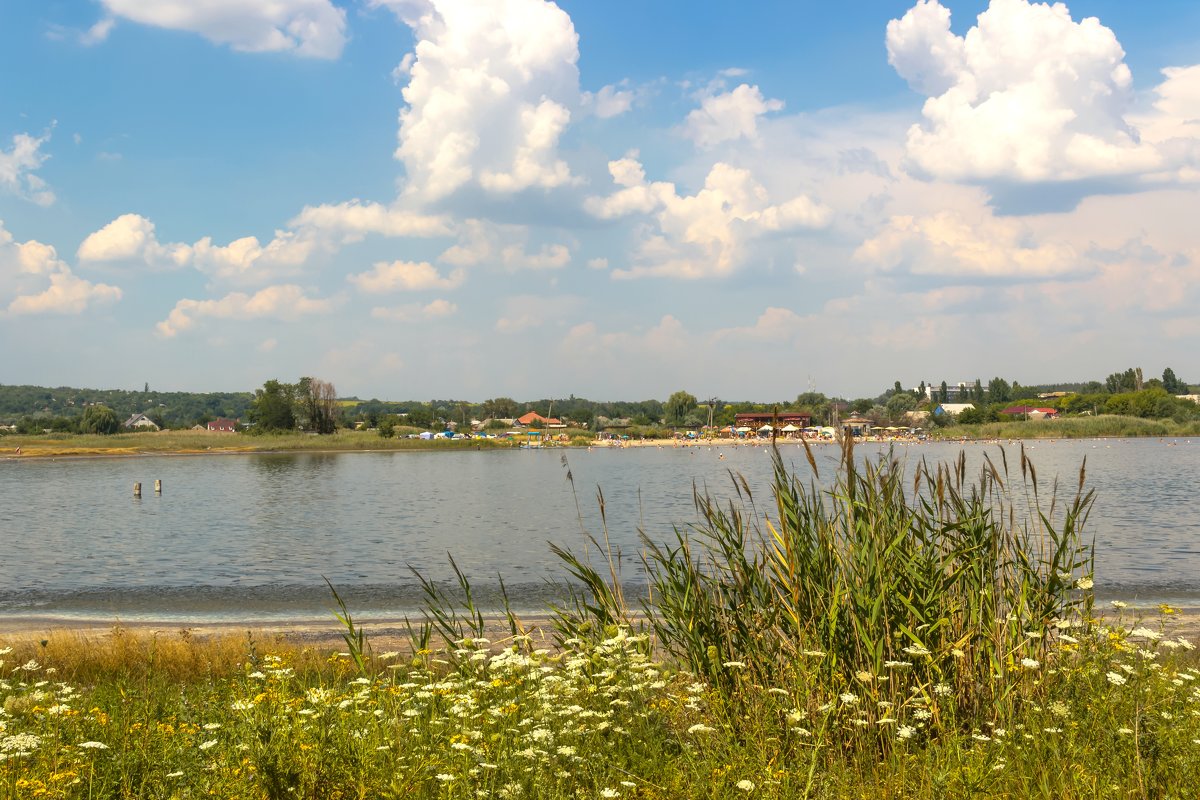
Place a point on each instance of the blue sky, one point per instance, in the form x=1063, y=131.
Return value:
x=459, y=198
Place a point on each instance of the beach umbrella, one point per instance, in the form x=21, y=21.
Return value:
x=789, y=428
x=743, y=430
x=766, y=428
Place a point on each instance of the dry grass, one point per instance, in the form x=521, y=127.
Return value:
x=182, y=656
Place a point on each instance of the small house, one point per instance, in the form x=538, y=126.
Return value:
x=223, y=425
x=140, y=422
x=952, y=409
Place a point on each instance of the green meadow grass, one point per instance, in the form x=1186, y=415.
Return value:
x=1104, y=425
x=895, y=635
x=192, y=442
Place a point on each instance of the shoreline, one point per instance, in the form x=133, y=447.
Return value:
x=391, y=633
x=82, y=453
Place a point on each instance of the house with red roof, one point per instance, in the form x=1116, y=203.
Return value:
x=222, y=425
x=534, y=418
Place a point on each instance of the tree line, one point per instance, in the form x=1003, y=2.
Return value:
x=311, y=404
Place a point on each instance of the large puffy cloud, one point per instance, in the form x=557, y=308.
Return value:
x=18, y=165
x=727, y=116
x=704, y=234
x=1027, y=95
x=950, y=244
x=311, y=28
x=66, y=294
x=316, y=229
x=489, y=94
x=132, y=238
x=409, y=276
x=1173, y=121
x=284, y=302
x=353, y=220
x=34, y=280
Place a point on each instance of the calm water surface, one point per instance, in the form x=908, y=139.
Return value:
x=250, y=536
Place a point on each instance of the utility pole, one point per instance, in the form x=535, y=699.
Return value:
x=712, y=401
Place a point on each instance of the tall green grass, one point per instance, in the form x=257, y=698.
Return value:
x=956, y=582
x=1104, y=425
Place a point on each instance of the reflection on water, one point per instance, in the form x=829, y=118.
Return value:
x=254, y=534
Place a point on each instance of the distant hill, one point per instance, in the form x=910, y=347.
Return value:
x=169, y=409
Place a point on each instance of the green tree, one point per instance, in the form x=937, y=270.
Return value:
x=273, y=407
x=971, y=416
x=1170, y=382
x=977, y=392
x=500, y=408
x=1118, y=382
x=899, y=404
x=862, y=405
x=816, y=404
x=998, y=391
x=678, y=406
x=420, y=416
x=99, y=419
x=944, y=393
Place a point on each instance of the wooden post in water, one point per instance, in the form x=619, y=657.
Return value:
x=137, y=489
x=157, y=486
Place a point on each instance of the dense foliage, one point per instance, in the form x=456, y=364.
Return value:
x=39, y=408
x=313, y=407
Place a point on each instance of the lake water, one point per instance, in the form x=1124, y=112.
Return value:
x=251, y=536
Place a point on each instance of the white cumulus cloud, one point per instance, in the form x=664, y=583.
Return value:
x=408, y=276
x=608, y=102
x=705, y=234
x=34, y=280
x=727, y=116
x=488, y=243
x=284, y=302
x=489, y=94
x=950, y=244
x=310, y=28
x=315, y=230
x=1027, y=95
x=355, y=219
x=131, y=237
x=18, y=165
